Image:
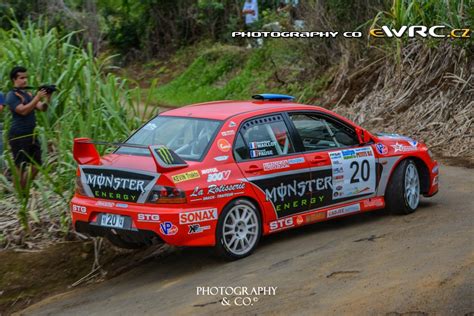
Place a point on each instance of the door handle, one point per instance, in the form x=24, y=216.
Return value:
x=318, y=159
x=254, y=168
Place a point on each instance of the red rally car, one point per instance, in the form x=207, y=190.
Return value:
x=225, y=173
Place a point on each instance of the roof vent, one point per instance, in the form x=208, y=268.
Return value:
x=272, y=97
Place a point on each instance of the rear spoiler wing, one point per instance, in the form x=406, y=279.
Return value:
x=85, y=153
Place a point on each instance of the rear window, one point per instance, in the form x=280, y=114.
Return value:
x=188, y=137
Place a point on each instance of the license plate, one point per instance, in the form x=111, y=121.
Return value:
x=112, y=220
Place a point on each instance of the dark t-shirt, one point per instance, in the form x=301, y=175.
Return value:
x=21, y=124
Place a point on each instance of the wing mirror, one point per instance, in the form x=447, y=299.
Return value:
x=363, y=136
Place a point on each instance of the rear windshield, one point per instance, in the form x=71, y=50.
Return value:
x=188, y=137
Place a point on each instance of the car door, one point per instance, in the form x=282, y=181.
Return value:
x=266, y=155
x=342, y=170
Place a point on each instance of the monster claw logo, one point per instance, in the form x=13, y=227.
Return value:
x=165, y=155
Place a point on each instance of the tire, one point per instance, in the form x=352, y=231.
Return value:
x=117, y=241
x=238, y=230
x=403, y=191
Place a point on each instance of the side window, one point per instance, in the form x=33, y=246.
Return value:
x=319, y=133
x=263, y=137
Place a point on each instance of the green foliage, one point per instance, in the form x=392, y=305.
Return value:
x=231, y=73
x=89, y=103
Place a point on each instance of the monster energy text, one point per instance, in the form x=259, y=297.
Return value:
x=114, y=182
x=297, y=189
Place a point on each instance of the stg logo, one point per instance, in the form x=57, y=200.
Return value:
x=282, y=223
x=167, y=228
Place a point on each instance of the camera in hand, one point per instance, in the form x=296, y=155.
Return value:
x=49, y=88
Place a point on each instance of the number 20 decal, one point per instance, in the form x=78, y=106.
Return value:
x=364, y=173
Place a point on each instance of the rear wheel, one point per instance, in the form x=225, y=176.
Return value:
x=238, y=230
x=403, y=191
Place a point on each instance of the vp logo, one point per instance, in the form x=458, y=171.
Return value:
x=167, y=228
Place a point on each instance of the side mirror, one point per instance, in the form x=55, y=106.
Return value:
x=363, y=136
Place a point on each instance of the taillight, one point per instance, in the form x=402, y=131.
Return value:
x=162, y=194
x=79, y=189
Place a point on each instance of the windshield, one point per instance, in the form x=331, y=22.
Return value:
x=188, y=137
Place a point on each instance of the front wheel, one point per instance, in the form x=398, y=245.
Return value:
x=403, y=191
x=238, y=230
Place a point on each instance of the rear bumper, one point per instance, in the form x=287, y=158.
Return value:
x=148, y=223
x=145, y=237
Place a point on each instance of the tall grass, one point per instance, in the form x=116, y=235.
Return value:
x=453, y=14
x=90, y=103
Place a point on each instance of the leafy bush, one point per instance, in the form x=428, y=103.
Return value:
x=89, y=103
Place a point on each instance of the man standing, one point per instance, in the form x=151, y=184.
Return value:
x=25, y=146
x=250, y=11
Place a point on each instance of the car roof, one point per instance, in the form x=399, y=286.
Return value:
x=223, y=110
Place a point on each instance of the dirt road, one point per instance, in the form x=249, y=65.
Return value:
x=366, y=264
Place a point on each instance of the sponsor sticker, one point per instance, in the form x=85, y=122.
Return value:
x=373, y=202
x=190, y=175
x=152, y=218
x=221, y=158
x=297, y=160
x=299, y=220
x=348, y=154
x=232, y=124
x=282, y=224
x=353, y=172
x=198, y=216
x=210, y=170
x=196, y=228
x=79, y=209
x=274, y=165
x=315, y=217
x=402, y=148
x=260, y=153
x=113, y=182
x=105, y=203
x=168, y=229
x=261, y=144
x=150, y=127
x=218, y=176
x=343, y=210
x=381, y=148
x=223, y=145
x=122, y=205
x=217, y=191
x=228, y=133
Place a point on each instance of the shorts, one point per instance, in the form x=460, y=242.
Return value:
x=25, y=150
